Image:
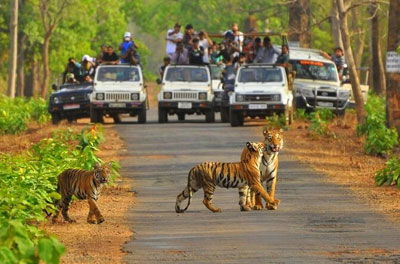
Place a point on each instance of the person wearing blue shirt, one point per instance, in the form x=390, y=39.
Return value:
x=125, y=46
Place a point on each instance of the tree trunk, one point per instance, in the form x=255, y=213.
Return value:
x=35, y=72
x=45, y=62
x=335, y=25
x=393, y=79
x=12, y=71
x=21, y=65
x=355, y=80
x=377, y=67
x=299, y=22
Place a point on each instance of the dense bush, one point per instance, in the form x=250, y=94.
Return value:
x=379, y=140
x=276, y=121
x=390, y=174
x=15, y=114
x=320, y=120
x=28, y=187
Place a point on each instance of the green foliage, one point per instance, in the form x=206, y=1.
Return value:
x=15, y=114
x=390, y=174
x=301, y=114
x=28, y=187
x=276, y=121
x=320, y=120
x=379, y=140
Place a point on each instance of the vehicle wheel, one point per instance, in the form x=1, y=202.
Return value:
x=162, y=115
x=210, y=116
x=181, y=117
x=142, y=116
x=299, y=102
x=116, y=118
x=236, y=118
x=96, y=116
x=224, y=114
x=55, y=119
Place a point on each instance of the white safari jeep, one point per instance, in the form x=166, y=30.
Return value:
x=216, y=75
x=118, y=89
x=260, y=90
x=186, y=90
x=317, y=83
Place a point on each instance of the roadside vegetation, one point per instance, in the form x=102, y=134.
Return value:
x=33, y=175
x=17, y=113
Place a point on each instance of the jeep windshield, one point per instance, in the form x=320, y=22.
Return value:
x=118, y=74
x=216, y=72
x=257, y=75
x=177, y=74
x=315, y=70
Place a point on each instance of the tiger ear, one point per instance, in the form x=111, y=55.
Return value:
x=109, y=164
x=265, y=131
x=97, y=166
x=281, y=130
x=250, y=146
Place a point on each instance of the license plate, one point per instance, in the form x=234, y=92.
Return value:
x=71, y=106
x=184, y=105
x=257, y=106
x=325, y=104
x=116, y=105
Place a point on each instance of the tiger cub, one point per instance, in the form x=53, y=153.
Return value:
x=240, y=175
x=85, y=185
x=273, y=140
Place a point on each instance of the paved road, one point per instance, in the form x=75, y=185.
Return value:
x=317, y=222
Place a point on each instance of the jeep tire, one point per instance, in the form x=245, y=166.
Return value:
x=224, y=114
x=162, y=115
x=210, y=116
x=236, y=118
x=142, y=116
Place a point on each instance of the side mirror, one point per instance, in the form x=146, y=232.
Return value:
x=158, y=81
x=54, y=87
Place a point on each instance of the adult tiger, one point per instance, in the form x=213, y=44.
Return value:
x=240, y=175
x=84, y=185
x=273, y=140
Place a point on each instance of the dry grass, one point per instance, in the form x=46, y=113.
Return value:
x=344, y=161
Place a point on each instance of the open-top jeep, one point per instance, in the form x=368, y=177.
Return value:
x=260, y=91
x=186, y=90
x=70, y=101
x=118, y=89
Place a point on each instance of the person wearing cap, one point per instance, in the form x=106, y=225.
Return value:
x=88, y=67
x=110, y=57
x=173, y=36
x=167, y=61
x=125, y=45
x=188, y=37
x=237, y=35
x=267, y=53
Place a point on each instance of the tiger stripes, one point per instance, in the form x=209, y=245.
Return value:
x=242, y=175
x=273, y=140
x=85, y=185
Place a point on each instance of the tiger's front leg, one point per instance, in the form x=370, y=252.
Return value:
x=244, y=198
x=271, y=186
x=208, y=196
x=93, y=207
x=258, y=202
x=65, y=201
x=91, y=216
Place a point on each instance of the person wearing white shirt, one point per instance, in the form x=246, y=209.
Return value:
x=173, y=36
x=238, y=35
x=206, y=43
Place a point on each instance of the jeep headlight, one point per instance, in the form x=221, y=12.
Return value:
x=307, y=92
x=276, y=97
x=56, y=100
x=239, y=98
x=202, y=96
x=344, y=94
x=167, y=95
x=135, y=96
x=100, y=96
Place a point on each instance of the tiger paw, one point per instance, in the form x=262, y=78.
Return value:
x=245, y=208
x=100, y=220
x=70, y=220
x=91, y=221
x=217, y=210
x=258, y=207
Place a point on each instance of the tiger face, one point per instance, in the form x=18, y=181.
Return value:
x=256, y=149
x=273, y=139
x=101, y=172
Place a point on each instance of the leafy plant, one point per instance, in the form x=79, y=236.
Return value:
x=379, y=140
x=301, y=114
x=390, y=174
x=320, y=120
x=276, y=121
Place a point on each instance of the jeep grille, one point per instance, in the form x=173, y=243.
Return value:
x=185, y=95
x=118, y=96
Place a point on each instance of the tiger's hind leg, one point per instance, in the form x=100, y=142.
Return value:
x=208, y=196
x=271, y=186
x=57, y=213
x=65, y=201
x=93, y=207
x=245, y=198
